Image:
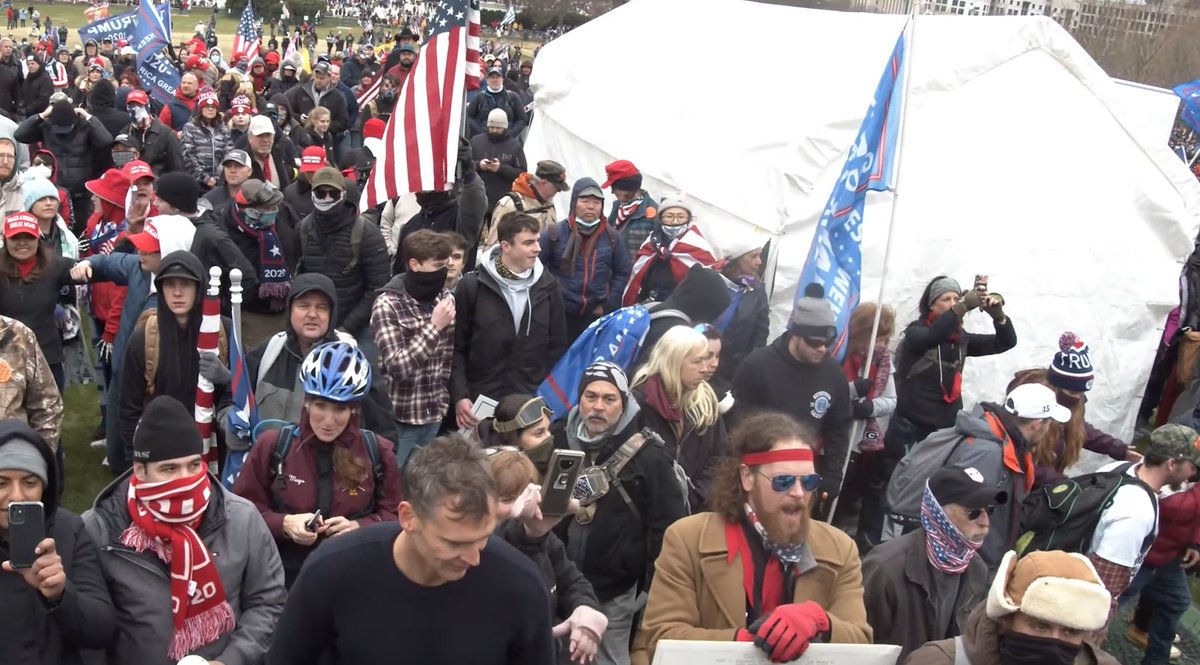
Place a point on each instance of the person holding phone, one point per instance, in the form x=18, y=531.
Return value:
x=324, y=463
x=53, y=600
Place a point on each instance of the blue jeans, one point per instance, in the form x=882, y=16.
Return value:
x=1165, y=590
x=411, y=437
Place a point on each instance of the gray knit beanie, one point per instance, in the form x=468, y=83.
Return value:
x=21, y=455
x=812, y=316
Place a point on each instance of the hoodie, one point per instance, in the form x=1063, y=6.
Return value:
x=515, y=291
x=102, y=102
x=34, y=631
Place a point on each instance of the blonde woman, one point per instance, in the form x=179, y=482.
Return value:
x=680, y=406
x=316, y=132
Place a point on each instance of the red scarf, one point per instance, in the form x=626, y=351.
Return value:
x=952, y=389
x=26, y=267
x=165, y=516
x=660, y=401
x=772, y=584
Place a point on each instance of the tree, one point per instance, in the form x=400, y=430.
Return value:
x=1151, y=44
x=270, y=10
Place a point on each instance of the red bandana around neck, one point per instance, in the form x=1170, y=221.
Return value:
x=165, y=516
x=27, y=266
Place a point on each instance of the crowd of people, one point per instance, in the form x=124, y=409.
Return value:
x=731, y=487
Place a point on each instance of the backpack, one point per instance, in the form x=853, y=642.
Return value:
x=907, y=487
x=356, y=238
x=1064, y=516
x=148, y=321
x=289, y=432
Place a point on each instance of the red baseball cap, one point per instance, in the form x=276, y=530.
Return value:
x=619, y=170
x=21, y=222
x=373, y=128
x=313, y=159
x=137, y=97
x=137, y=169
x=147, y=240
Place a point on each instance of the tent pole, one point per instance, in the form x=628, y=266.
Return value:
x=856, y=429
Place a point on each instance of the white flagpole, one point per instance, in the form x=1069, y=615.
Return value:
x=857, y=428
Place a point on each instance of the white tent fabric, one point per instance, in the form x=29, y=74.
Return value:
x=1018, y=161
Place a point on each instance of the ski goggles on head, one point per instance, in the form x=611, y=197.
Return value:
x=528, y=415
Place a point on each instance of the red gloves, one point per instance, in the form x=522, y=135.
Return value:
x=785, y=634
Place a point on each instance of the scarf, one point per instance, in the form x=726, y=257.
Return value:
x=25, y=268
x=508, y=274
x=952, y=388
x=165, y=516
x=274, y=278
x=788, y=554
x=773, y=575
x=105, y=233
x=626, y=210
x=945, y=546
x=881, y=367
x=580, y=241
x=658, y=399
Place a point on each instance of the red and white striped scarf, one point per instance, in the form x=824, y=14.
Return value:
x=626, y=210
x=165, y=516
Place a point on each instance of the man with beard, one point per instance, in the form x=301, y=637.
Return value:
x=495, y=96
x=632, y=497
x=499, y=158
x=408, y=56
x=757, y=568
x=922, y=587
x=1039, y=611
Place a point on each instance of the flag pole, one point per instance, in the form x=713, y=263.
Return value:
x=858, y=426
x=235, y=302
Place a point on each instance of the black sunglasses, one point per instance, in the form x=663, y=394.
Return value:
x=818, y=342
x=978, y=512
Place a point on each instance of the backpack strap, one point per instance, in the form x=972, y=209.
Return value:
x=612, y=468
x=356, y=238
x=282, y=445
x=960, y=651
x=270, y=355
x=151, y=340
x=518, y=203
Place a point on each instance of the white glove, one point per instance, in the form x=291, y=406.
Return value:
x=585, y=627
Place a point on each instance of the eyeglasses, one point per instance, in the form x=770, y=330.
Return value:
x=675, y=217
x=978, y=512
x=817, y=342
x=528, y=415
x=496, y=450
x=784, y=482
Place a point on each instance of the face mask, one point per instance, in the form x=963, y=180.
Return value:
x=429, y=200
x=1020, y=649
x=587, y=226
x=120, y=159
x=540, y=456
x=387, y=95
x=259, y=219
x=425, y=286
x=674, y=232
x=324, y=205
x=1069, y=401
x=288, y=76
x=139, y=113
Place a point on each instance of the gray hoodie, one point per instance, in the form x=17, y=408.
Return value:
x=515, y=292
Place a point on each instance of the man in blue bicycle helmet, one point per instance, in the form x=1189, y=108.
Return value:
x=324, y=476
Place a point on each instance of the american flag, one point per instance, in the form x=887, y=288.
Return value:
x=206, y=342
x=421, y=139
x=246, y=42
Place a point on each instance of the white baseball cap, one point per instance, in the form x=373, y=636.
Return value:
x=261, y=124
x=1035, y=402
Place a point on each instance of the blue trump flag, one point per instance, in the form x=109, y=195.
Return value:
x=835, y=258
x=1190, y=94
x=116, y=27
x=243, y=417
x=151, y=35
x=616, y=337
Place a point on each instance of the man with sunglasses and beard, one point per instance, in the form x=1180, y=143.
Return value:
x=922, y=587
x=796, y=375
x=758, y=568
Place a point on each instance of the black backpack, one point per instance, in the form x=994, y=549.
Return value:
x=283, y=445
x=1063, y=516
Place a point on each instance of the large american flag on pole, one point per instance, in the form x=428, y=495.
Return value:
x=421, y=139
x=246, y=42
x=207, y=342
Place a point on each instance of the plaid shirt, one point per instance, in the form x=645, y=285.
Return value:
x=416, y=358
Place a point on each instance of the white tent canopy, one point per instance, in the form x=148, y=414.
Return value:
x=1019, y=160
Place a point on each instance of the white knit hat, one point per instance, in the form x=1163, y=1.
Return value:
x=497, y=118
x=677, y=200
x=736, y=245
x=1058, y=587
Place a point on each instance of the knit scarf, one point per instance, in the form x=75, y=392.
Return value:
x=658, y=399
x=165, y=516
x=945, y=546
x=626, y=210
x=952, y=386
x=274, y=278
x=790, y=555
x=881, y=367
x=504, y=272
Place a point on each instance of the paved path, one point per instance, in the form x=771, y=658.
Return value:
x=1128, y=654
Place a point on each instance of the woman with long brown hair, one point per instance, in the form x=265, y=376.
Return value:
x=1070, y=376
x=324, y=476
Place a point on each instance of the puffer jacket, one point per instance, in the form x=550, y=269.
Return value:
x=30, y=394
x=82, y=153
x=35, y=92
x=204, y=149
x=1178, y=526
x=327, y=250
x=601, y=266
x=35, y=632
x=140, y=584
x=160, y=147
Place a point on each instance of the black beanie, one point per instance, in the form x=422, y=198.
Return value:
x=166, y=431
x=631, y=184
x=180, y=190
x=603, y=370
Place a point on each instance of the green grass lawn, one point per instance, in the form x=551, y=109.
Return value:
x=85, y=477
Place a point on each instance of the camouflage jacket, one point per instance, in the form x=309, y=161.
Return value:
x=27, y=389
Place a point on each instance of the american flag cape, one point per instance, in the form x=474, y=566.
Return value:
x=421, y=138
x=687, y=250
x=246, y=42
x=206, y=342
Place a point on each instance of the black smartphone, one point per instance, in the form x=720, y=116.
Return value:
x=559, y=483
x=26, y=528
x=312, y=524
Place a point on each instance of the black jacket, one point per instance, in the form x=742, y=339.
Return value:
x=327, y=250
x=35, y=92
x=618, y=548
x=281, y=161
x=463, y=213
x=697, y=452
x=248, y=245
x=298, y=197
x=10, y=90
x=33, y=302
x=36, y=632
x=302, y=99
x=568, y=587
x=160, y=147
x=701, y=296
x=746, y=331
x=505, y=100
x=83, y=153
x=102, y=102
x=490, y=357
x=511, y=155
x=214, y=247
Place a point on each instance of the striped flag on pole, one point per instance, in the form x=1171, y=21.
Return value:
x=246, y=42
x=207, y=342
x=421, y=139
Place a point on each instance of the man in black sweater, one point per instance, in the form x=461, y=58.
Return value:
x=437, y=587
x=796, y=375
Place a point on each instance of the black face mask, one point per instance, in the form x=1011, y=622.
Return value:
x=1021, y=649
x=425, y=286
x=432, y=200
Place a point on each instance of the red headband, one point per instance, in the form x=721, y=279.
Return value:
x=787, y=455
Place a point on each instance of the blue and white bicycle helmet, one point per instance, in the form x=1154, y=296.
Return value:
x=336, y=371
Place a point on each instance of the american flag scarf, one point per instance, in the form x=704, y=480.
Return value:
x=946, y=547
x=689, y=249
x=207, y=342
x=626, y=210
x=165, y=516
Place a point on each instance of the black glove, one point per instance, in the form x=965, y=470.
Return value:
x=861, y=387
x=994, y=306
x=862, y=408
x=466, y=163
x=212, y=369
x=829, y=489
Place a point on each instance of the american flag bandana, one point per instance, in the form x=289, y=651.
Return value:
x=946, y=547
x=790, y=555
x=626, y=210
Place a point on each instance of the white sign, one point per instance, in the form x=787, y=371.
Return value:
x=679, y=652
